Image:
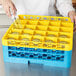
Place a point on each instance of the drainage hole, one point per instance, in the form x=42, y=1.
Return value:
x=22, y=55
x=57, y=58
x=44, y=54
x=10, y=52
x=39, y=56
x=18, y=53
x=31, y=56
x=13, y=54
x=48, y=57
x=26, y=53
x=53, y=56
x=35, y=54
x=62, y=56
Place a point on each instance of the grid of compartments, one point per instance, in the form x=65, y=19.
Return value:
x=33, y=53
x=49, y=34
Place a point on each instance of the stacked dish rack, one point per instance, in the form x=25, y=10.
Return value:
x=46, y=40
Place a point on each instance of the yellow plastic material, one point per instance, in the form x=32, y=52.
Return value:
x=46, y=32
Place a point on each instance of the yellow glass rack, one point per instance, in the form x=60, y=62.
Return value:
x=46, y=32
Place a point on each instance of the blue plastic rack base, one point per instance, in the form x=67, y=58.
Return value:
x=55, y=58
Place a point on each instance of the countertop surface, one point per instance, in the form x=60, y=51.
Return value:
x=16, y=69
x=5, y=21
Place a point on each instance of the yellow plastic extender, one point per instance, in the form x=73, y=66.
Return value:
x=46, y=32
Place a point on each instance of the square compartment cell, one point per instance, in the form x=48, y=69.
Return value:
x=64, y=47
x=23, y=21
x=18, y=24
x=42, y=28
x=15, y=31
x=51, y=34
x=25, y=40
x=55, y=23
x=39, y=33
x=21, y=17
x=65, y=35
x=25, y=37
x=11, y=42
x=64, y=44
x=64, y=40
x=43, y=23
x=12, y=37
x=9, y=38
x=64, y=29
x=37, y=41
x=50, y=39
x=67, y=24
x=38, y=38
x=30, y=27
x=32, y=22
x=18, y=21
x=54, y=29
x=50, y=43
x=27, y=32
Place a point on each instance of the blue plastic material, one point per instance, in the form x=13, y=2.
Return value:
x=55, y=58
